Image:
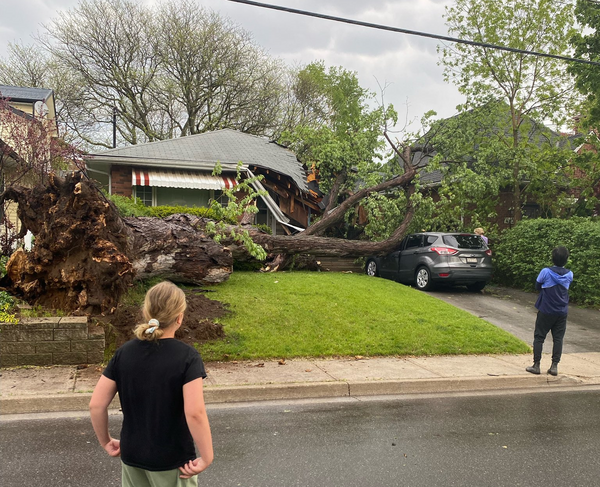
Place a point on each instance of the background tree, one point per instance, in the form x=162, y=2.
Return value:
x=214, y=73
x=504, y=138
x=110, y=45
x=338, y=135
x=170, y=69
x=586, y=43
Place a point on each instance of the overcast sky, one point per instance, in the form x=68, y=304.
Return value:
x=407, y=64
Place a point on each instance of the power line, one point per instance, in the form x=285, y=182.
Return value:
x=412, y=32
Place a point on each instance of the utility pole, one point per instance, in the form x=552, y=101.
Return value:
x=114, y=124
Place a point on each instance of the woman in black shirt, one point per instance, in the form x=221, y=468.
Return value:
x=159, y=381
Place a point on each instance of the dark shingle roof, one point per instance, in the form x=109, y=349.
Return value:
x=228, y=147
x=27, y=95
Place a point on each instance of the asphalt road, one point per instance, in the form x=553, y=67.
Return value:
x=514, y=311
x=527, y=439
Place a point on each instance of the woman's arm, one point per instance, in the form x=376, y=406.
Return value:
x=197, y=420
x=104, y=393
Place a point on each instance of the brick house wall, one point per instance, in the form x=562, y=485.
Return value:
x=120, y=180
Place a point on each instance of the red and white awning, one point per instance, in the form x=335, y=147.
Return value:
x=181, y=179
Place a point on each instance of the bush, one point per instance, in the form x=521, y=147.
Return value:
x=128, y=206
x=522, y=251
x=163, y=211
x=7, y=303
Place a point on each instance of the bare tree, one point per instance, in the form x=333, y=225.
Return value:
x=215, y=73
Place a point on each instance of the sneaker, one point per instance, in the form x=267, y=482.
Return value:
x=534, y=369
x=553, y=370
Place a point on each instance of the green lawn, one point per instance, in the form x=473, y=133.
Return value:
x=309, y=314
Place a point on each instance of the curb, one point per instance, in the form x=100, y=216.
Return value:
x=315, y=390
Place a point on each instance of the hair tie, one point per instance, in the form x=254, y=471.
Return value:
x=155, y=324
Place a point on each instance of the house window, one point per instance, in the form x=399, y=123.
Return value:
x=221, y=197
x=182, y=197
x=531, y=210
x=144, y=193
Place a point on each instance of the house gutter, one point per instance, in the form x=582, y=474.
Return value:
x=277, y=213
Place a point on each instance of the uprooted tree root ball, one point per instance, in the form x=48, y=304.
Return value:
x=199, y=322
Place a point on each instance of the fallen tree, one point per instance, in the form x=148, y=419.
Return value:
x=86, y=256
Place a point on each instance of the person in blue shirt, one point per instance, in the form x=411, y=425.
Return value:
x=552, y=305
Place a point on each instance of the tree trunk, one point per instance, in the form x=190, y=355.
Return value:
x=177, y=248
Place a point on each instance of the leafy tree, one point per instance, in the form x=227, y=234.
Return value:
x=338, y=135
x=511, y=94
x=587, y=80
x=586, y=43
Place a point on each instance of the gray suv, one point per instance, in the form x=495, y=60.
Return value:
x=426, y=259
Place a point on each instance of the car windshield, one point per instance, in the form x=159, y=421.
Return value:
x=465, y=241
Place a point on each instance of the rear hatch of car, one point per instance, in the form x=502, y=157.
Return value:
x=472, y=250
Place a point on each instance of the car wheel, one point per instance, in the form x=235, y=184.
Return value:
x=476, y=286
x=423, y=279
x=371, y=268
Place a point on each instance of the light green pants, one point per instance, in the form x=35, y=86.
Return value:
x=138, y=477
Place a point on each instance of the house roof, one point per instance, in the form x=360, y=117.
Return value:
x=202, y=151
x=25, y=95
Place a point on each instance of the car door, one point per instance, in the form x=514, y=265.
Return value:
x=389, y=264
x=409, y=257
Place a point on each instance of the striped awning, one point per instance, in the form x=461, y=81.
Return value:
x=181, y=179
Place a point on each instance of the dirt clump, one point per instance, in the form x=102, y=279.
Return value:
x=199, y=321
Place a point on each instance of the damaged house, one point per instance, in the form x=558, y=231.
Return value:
x=180, y=172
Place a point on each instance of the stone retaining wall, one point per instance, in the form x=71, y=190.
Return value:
x=51, y=341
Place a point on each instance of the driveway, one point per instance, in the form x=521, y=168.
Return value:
x=514, y=311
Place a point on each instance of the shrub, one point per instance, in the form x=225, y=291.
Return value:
x=7, y=303
x=522, y=251
x=163, y=211
x=128, y=206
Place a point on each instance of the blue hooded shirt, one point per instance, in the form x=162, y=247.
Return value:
x=553, y=284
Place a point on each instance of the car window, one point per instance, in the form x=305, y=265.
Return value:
x=430, y=240
x=464, y=241
x=413, y=241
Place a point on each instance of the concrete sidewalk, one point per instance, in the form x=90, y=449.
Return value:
x=68, y=388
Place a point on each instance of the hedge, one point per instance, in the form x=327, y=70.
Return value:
x=129, y=207
x=522, y=251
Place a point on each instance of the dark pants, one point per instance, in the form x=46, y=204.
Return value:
x=544, y=323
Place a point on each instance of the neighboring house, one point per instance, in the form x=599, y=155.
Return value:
x=504, y=217
x=179, y=172
x=29, y=104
